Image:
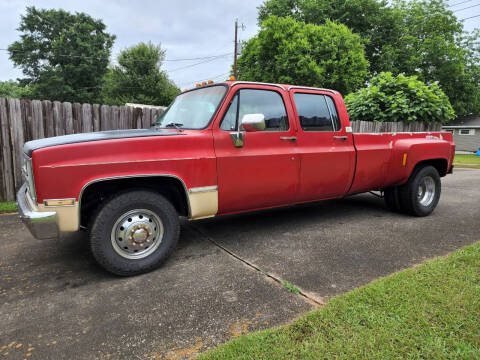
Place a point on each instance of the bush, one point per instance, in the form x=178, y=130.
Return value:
x=400, y=98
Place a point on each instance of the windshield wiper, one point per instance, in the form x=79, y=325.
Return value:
x=177, y=126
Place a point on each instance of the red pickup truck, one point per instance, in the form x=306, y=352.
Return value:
x=219, y=149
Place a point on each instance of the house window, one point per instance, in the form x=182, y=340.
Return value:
x=466, y=132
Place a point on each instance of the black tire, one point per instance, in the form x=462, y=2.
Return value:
x=392, y=199
x=412, y=200
x=102, y=239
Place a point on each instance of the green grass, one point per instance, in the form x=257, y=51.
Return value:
x=290, y=287
x=8, y=207
x=428, y=312
x=466, y=160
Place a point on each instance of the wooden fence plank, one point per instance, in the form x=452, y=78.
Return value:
x=77, y=118
x=37, y=120
x=87, y=124
x=105, y=117
x=58, y=118
x=7, y=192
x=68, y=116
x=115, y=119
x=26, y=106
x=96, y=117
x=146, y=118
x=48, y=118
x=17, y=140
x=123, y=118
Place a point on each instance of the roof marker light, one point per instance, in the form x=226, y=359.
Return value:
x=232, y=78
x=204, y=83
x=198, y=85
x=210, y=81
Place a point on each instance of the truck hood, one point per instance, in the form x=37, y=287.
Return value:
x=30, y=146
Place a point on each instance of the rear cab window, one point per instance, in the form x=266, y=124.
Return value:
x=316, y=112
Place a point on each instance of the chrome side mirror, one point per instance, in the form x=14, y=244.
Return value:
x=253, y=122
x=237, y=138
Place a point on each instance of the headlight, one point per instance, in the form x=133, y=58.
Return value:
x=27, y=172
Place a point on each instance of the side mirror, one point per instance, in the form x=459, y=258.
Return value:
x=253, y=122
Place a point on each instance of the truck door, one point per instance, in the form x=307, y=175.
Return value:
x=262, y=170
x=327, y=154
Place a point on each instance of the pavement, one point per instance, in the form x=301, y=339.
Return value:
x=223, y=280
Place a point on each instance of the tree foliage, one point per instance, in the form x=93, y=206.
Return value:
x=400, y=98
x=13, y=89
x=63, y=56
x=374, y=20
x=138, y=78
x=414, y=37
x=289, y=51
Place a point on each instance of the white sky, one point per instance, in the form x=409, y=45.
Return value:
x=185, y=29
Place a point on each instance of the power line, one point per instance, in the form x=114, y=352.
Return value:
x=133, y=60
x=460, y=3
x=192, y=65
x=465, y=8
x=471, y=17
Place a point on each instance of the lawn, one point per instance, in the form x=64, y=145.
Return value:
x=428, y=312
x=8, y=207
x=466, y=160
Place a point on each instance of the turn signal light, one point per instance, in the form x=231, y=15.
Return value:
x=60, y=202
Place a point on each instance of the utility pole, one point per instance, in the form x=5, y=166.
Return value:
x=235, y=52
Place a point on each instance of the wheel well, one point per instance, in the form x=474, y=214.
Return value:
x=97, y=193
x=439, y=164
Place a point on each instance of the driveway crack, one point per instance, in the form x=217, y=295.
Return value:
x=306, y=296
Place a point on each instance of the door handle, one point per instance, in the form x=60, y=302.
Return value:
x=344, y=138
x=292, y=138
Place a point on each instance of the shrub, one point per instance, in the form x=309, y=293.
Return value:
x=400, y=98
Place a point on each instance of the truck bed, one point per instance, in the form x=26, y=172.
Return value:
x=379, y=156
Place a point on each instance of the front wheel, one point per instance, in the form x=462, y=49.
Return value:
x=134, y=232
x=420, y=195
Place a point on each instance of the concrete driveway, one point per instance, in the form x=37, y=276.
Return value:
x=224, y=279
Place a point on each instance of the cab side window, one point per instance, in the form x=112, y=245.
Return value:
x=266, y=102
x=315, y=113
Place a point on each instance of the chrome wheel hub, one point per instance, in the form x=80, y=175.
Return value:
x=426, y=191
x=137, y=233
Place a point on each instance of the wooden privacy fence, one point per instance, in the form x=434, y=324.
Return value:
x=378, y=127
x=24, y=120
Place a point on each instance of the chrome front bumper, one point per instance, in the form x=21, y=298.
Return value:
x=42, y=224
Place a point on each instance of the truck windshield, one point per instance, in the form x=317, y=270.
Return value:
x=193, y=109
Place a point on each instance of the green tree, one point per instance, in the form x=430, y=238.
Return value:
x=11, y=88
x=429, y=46
x=415, y=37
x=400, y=98
x=138, y=78
x=376, y=22
x=63, y=56
x=289, y=51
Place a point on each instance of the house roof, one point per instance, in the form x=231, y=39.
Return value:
x=469, y=121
